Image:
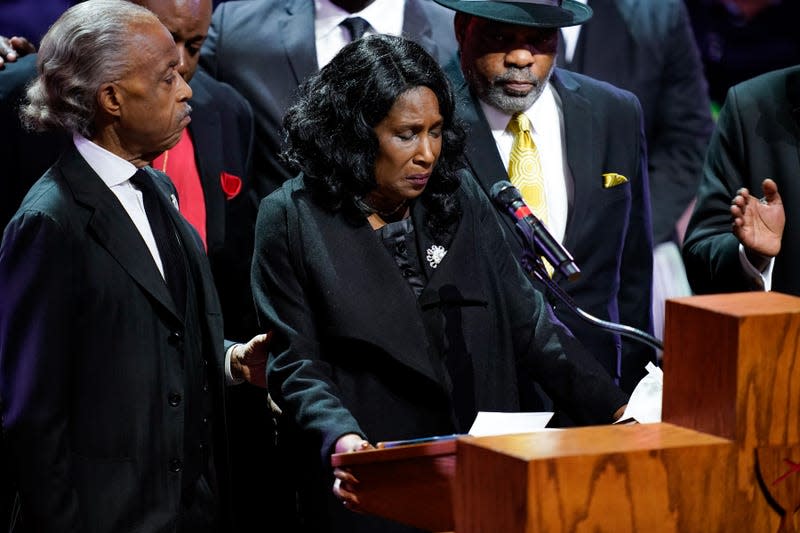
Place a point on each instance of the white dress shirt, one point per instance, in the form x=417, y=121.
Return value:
x=763, y=279
x=547, y=125
x=383, y=16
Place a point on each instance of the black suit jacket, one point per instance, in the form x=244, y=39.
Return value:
x=266, y=48
x=357, y=352
x=757, y=137
x=91, y=358
x=647, y=47
x=608, y=230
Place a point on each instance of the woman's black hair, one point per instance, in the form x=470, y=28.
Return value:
x=329, y=130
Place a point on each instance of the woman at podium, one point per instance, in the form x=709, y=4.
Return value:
x=397, y=308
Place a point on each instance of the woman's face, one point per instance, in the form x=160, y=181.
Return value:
x=409, y=144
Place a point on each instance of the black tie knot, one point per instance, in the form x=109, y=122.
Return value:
x=142, y=180
x=356, y=26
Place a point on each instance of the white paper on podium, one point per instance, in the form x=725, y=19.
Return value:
x=491, y=423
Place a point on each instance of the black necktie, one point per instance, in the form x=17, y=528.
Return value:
x=166, y=237
x=356, y=26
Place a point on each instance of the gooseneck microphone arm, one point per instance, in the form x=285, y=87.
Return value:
x=533, y=265
x=508, y=197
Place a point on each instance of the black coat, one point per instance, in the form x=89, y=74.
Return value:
x=757, y=137
x=357, y=352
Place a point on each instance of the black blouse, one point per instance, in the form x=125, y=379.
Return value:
x=399, y=239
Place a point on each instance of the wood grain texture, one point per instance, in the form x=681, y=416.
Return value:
x=731, y=368
x=650, y=478
x=409, y=484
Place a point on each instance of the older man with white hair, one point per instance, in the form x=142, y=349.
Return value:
x=112, y=359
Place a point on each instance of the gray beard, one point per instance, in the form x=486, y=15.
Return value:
x=494, y=94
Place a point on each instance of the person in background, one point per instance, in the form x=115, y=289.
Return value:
x=26, y=155
x=741, y=39
x=112, y=360
x=295, y=38
x=397, y=307
x=736, y=241
x=29, y=19
x=575, y=148
x=648, y=48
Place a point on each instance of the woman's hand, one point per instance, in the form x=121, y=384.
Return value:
x=344, y=486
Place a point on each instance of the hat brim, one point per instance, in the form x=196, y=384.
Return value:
x=570, y=13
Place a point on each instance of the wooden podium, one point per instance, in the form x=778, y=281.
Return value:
x=726, y=458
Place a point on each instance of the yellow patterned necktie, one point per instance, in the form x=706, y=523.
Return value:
x=525, y=169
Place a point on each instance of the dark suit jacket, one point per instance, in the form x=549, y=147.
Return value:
x=357, y=351
x=648, y=48
x=757, y=137
x=265, y=49
x=91, y=343
x=608, y=230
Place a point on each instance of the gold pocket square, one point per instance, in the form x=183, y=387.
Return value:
x=612, y=179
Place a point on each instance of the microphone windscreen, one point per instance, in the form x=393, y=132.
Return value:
x=504, y=194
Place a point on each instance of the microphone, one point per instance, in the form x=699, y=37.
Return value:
x=508, y=197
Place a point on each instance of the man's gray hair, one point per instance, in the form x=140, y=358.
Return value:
x=84, y=48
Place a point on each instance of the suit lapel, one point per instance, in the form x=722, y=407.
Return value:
x=450, y=272
x=579, y=153
x=113, y=229
x=375, y=303
x=298, y=42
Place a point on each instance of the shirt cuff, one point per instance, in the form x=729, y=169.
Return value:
x=229, y=379
x=762, y=279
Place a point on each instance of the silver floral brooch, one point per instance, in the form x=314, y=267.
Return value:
x=435, y=254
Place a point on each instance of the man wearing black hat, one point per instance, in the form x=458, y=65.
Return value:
x=575, y=148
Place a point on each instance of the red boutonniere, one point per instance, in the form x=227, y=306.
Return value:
x=231, y=185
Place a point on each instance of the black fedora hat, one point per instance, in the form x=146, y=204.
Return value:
x=536, y=13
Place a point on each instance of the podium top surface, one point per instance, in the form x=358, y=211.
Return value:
x=743, y=304
x=399, y=453
x=593, y=440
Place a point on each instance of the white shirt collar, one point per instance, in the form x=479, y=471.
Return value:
x=111, y=168
x=384, y=16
